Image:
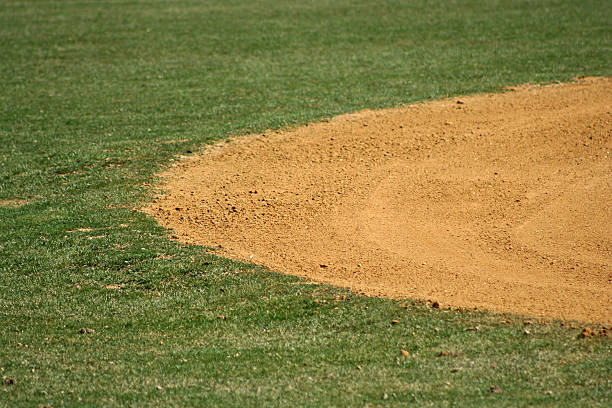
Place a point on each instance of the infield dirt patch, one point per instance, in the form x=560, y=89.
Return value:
x=500, y=201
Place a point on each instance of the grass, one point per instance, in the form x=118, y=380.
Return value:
x=97, y=305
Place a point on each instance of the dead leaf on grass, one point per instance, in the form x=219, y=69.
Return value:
x=495, y=390
x=445, y=353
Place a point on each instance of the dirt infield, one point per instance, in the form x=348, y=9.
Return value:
x=501, y=202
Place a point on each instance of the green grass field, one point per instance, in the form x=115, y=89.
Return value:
x=99, y=308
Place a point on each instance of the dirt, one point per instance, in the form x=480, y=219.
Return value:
x=500, y=202
x=12, y=203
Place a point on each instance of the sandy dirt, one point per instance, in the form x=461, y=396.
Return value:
x=500, y=202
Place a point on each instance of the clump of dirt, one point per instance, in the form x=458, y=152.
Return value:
x=501, y=201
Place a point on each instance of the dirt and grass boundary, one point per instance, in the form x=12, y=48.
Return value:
x=99, y=308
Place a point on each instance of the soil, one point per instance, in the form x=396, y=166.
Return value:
x=500, y=202
x=12, y=203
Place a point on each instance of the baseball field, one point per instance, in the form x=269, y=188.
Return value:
x=318, y=203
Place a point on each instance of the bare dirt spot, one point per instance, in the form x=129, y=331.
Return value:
x=501, y=202
x=12, y=203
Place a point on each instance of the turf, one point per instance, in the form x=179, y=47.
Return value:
x=99, y=307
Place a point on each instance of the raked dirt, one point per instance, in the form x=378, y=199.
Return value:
x=500, y=202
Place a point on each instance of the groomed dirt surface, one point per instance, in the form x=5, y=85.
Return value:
x=500, y=202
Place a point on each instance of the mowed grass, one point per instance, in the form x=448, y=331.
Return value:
x=99, y=308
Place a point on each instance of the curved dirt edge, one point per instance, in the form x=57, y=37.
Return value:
x=497, y=201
